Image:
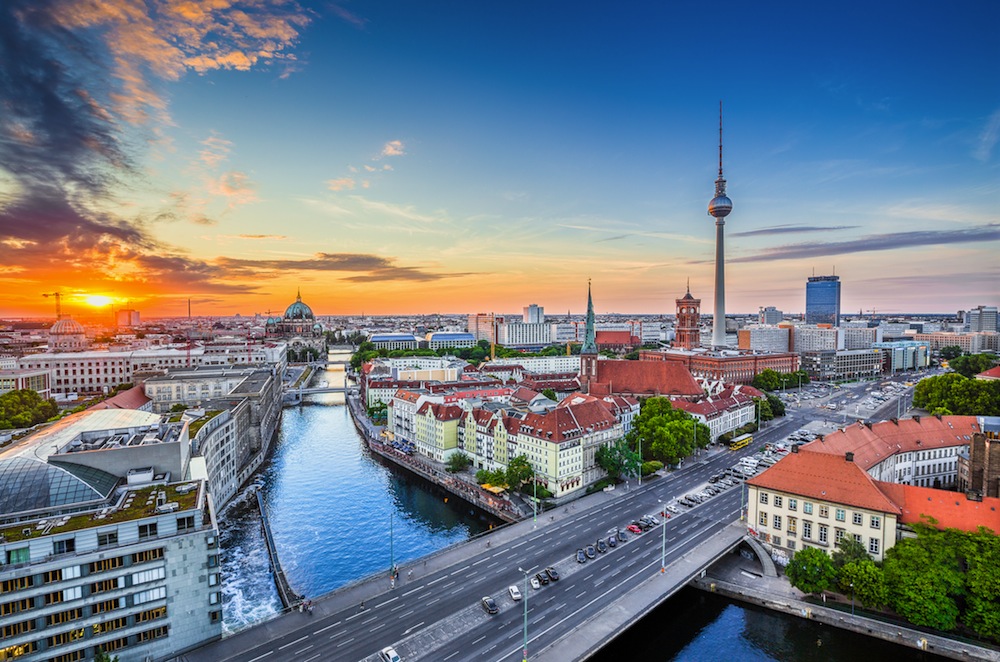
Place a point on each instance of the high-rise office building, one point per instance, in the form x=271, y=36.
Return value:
x=982, y=318
x=823, y=300
x=770, y=315
x=534, y=314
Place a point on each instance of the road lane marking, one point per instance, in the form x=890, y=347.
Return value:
x=380, y=625
x=292, y=643
x=302, y=650
x=409, y=630
x=439, y=579
x=261, y=657
x=327, y=628
x=345, y=642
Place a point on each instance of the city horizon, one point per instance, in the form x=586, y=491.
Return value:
x=390, y=159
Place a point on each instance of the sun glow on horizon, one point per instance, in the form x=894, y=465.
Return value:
x=98, y=300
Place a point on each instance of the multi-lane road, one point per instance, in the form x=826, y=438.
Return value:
x=437, y=613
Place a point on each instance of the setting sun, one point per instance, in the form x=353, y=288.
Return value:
x=98, y=300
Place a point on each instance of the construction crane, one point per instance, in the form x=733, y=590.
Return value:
x=58, y=296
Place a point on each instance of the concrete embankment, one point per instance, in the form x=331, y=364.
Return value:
x=285, y=592
x=783, y=602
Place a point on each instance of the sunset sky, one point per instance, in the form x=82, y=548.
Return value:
x=407, y=157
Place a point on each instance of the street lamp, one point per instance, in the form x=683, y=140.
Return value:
x=663, y=540
x=534, y=502
x=640, y=461
x=527, y=572
x=392, y=557
x=852, y=598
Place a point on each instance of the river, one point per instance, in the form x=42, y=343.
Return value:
x=339, y=514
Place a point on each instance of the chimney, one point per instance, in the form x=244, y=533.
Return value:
x=895, y=421
x=849, y=456
x=820, y=437
x=916, y=417
x=795, y=448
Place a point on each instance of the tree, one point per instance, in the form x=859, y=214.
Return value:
x=958, y=395
x=667, y=434
x=865, y=581
x=618, y=459
x=23, y=408
x=919, y=590
x=102, y=656
x=458, y=461
x=767, y=380
x=550, y=394
x=495, y=478
x=950, y=352
x=971, y=365
x=777, y=406
x=982, y=610
x=811, y=571
x=849, y=550
x=180, y=406
x=519, y=471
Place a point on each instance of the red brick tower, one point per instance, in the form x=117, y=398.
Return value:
x=688, y=330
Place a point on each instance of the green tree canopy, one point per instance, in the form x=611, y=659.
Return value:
x=519, y=471
x=971, y=365
x=23, y=408
x=458, y=461
x=811, y=571
x=550, y=394
x=667, y=434
x=618, y=459
x=848, y=550
x=958, y=394
x=923, y=578
x=863, y=579
x=950, y=352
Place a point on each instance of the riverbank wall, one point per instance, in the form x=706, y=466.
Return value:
x=897, y=634
x=286, y=594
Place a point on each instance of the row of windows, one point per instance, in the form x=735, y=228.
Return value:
x=875, y=521
x=823, y=532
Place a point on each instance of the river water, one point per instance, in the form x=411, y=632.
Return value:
x=339, y=514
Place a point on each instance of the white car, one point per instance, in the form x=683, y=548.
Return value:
x=535, y=584
x=515, y=594
x=389, y=654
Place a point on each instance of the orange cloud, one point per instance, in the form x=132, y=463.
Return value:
x=342, y=184
x=393, y=148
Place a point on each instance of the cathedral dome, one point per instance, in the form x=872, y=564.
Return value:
x=66, y=327
x=298, y=310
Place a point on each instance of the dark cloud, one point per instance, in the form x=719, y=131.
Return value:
x=370, y=267
x=876, y=242
x=791, y=229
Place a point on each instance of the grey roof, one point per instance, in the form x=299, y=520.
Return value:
x=30, y=484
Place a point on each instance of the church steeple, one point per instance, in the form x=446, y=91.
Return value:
x=590, y=335
x=298, y=294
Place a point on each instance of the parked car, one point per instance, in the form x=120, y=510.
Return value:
x=601, y=546
x=622, y=536
x=515, y=593
x=389, y=654
x=591, y=552
x=580, y=556
x=490, y=605
x=542, y=579
x=553, y=575
x=634, y=528
x=674, y=509
x=535, y=584
x=612, y=542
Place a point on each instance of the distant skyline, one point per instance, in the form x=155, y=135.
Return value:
x=400, y=157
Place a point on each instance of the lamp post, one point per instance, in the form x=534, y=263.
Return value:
x=640, y=461
x=524, y=651
x=534, y=502
x=392, y=557
x=852, y=598
x=663, y=539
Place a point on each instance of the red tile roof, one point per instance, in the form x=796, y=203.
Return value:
x=646, y=378
x=952, y=510
x=873, y=445
x=132, y=398
x=825, y=477
x=565, y=423
x=441, y=412
x=992, y=373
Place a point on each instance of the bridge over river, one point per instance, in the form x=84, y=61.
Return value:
x=433, y=611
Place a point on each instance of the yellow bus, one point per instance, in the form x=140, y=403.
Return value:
x=741, y=441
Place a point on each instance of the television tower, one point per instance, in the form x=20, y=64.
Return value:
x=719, y=207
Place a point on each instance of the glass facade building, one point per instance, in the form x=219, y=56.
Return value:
x=823, y=300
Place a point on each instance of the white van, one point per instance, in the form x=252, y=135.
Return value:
x=749, y=461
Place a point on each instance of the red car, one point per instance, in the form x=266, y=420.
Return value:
x=634, y=529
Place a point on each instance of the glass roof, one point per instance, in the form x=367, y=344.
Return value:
x=30, y=484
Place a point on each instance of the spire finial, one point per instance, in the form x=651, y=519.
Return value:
x=689, y=285
x=298, y=294
x=720, y=139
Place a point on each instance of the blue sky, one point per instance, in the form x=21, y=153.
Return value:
x=463, y=157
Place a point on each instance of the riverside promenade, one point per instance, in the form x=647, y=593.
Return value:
x=740, y=579
x=500, y=508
